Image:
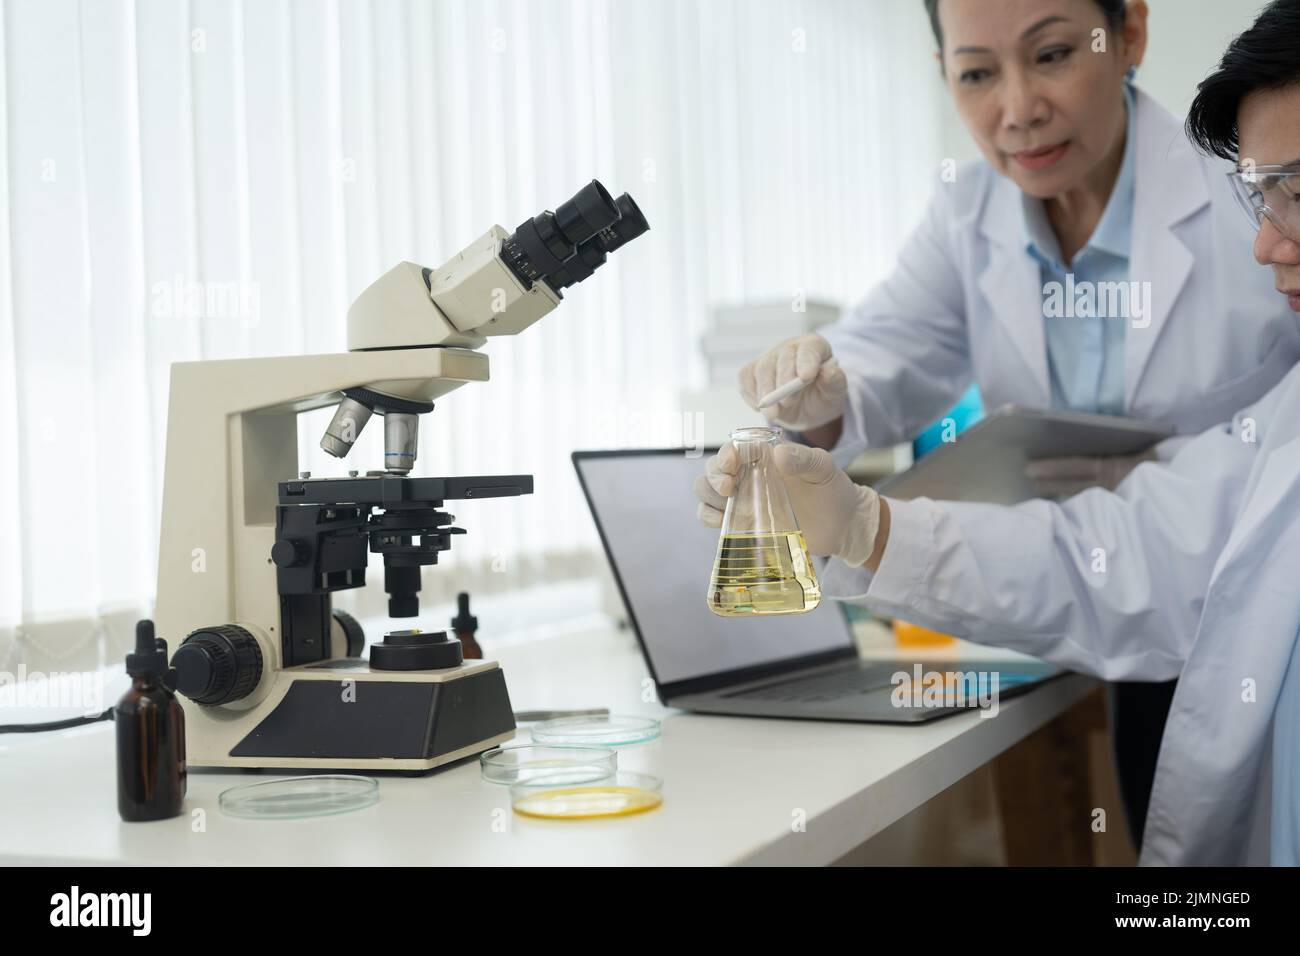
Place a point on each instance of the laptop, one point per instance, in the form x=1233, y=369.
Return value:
x=796, y=665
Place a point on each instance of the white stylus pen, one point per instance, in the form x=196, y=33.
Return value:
x=782, y=392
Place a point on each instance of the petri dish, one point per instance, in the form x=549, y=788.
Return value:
x=620, y=794
x=296, y=798
x=509, y=765
x=610, y=731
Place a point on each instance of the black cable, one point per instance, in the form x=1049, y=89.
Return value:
x=56, y=724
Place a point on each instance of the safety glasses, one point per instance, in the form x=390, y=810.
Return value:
x=1269, y=192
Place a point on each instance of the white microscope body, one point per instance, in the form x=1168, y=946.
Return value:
x=250, y=552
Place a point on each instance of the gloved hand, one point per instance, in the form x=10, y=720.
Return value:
x=835, y=515
x=1063, y=477
x=818, y=404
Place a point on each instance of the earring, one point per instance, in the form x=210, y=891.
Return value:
x=1131, y=74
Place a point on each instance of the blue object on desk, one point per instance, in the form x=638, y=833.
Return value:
x=968, y=410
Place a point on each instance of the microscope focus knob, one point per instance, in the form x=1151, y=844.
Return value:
x=217, y=665
x=288, y=553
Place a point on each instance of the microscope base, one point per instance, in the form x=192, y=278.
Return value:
x=341, y=715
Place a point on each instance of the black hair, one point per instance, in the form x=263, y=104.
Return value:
x=1265, y=57
x=1114, y=10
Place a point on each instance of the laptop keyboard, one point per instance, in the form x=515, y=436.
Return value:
x=836, y=685
x=851, y=682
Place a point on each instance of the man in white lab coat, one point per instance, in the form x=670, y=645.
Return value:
x=1085, y=184
x=1187, y=570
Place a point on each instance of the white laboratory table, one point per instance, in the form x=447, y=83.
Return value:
x=733, y=787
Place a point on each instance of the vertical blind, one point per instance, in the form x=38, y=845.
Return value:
x=219, y=178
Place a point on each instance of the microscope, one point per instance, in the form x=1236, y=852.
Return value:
x=252, y=549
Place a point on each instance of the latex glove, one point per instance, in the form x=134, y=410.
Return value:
x=836, y=515
x=818, y=404
x=1062, y=477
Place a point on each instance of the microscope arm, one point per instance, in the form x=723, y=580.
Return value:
x=299, y=383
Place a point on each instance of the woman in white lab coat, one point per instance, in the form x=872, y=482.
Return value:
x=1086, y=181
x=1187, y=569
x=967, y=301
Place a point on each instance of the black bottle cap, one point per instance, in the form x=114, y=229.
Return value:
x=149, y=659
x=463, y=621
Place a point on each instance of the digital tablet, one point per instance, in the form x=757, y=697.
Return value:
x=987, y=461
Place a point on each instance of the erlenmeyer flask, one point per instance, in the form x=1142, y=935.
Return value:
x=762, y=566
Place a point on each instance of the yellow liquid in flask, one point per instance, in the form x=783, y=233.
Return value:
x=763, y=573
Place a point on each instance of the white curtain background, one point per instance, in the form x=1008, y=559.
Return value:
x=278, y=155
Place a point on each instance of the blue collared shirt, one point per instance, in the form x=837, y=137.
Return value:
x=1085, y=353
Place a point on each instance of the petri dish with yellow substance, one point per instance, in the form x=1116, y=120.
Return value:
x=620, y=794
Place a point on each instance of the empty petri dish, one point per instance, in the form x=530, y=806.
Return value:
x=299, y=797
x=610, y=731
x=575, y=764
x=618, y=795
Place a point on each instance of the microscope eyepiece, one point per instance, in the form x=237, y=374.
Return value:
x=590, y=255
x=578, y=266
x=589, y=211
x=566, y=246
x=630, y=224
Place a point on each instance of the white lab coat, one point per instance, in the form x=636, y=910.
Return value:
x=1198, y=582
x=965, y=303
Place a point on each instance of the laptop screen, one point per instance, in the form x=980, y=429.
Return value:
x=662, y=556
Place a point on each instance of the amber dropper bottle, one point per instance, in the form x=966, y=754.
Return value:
x=150, y=734
x=465, y=625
